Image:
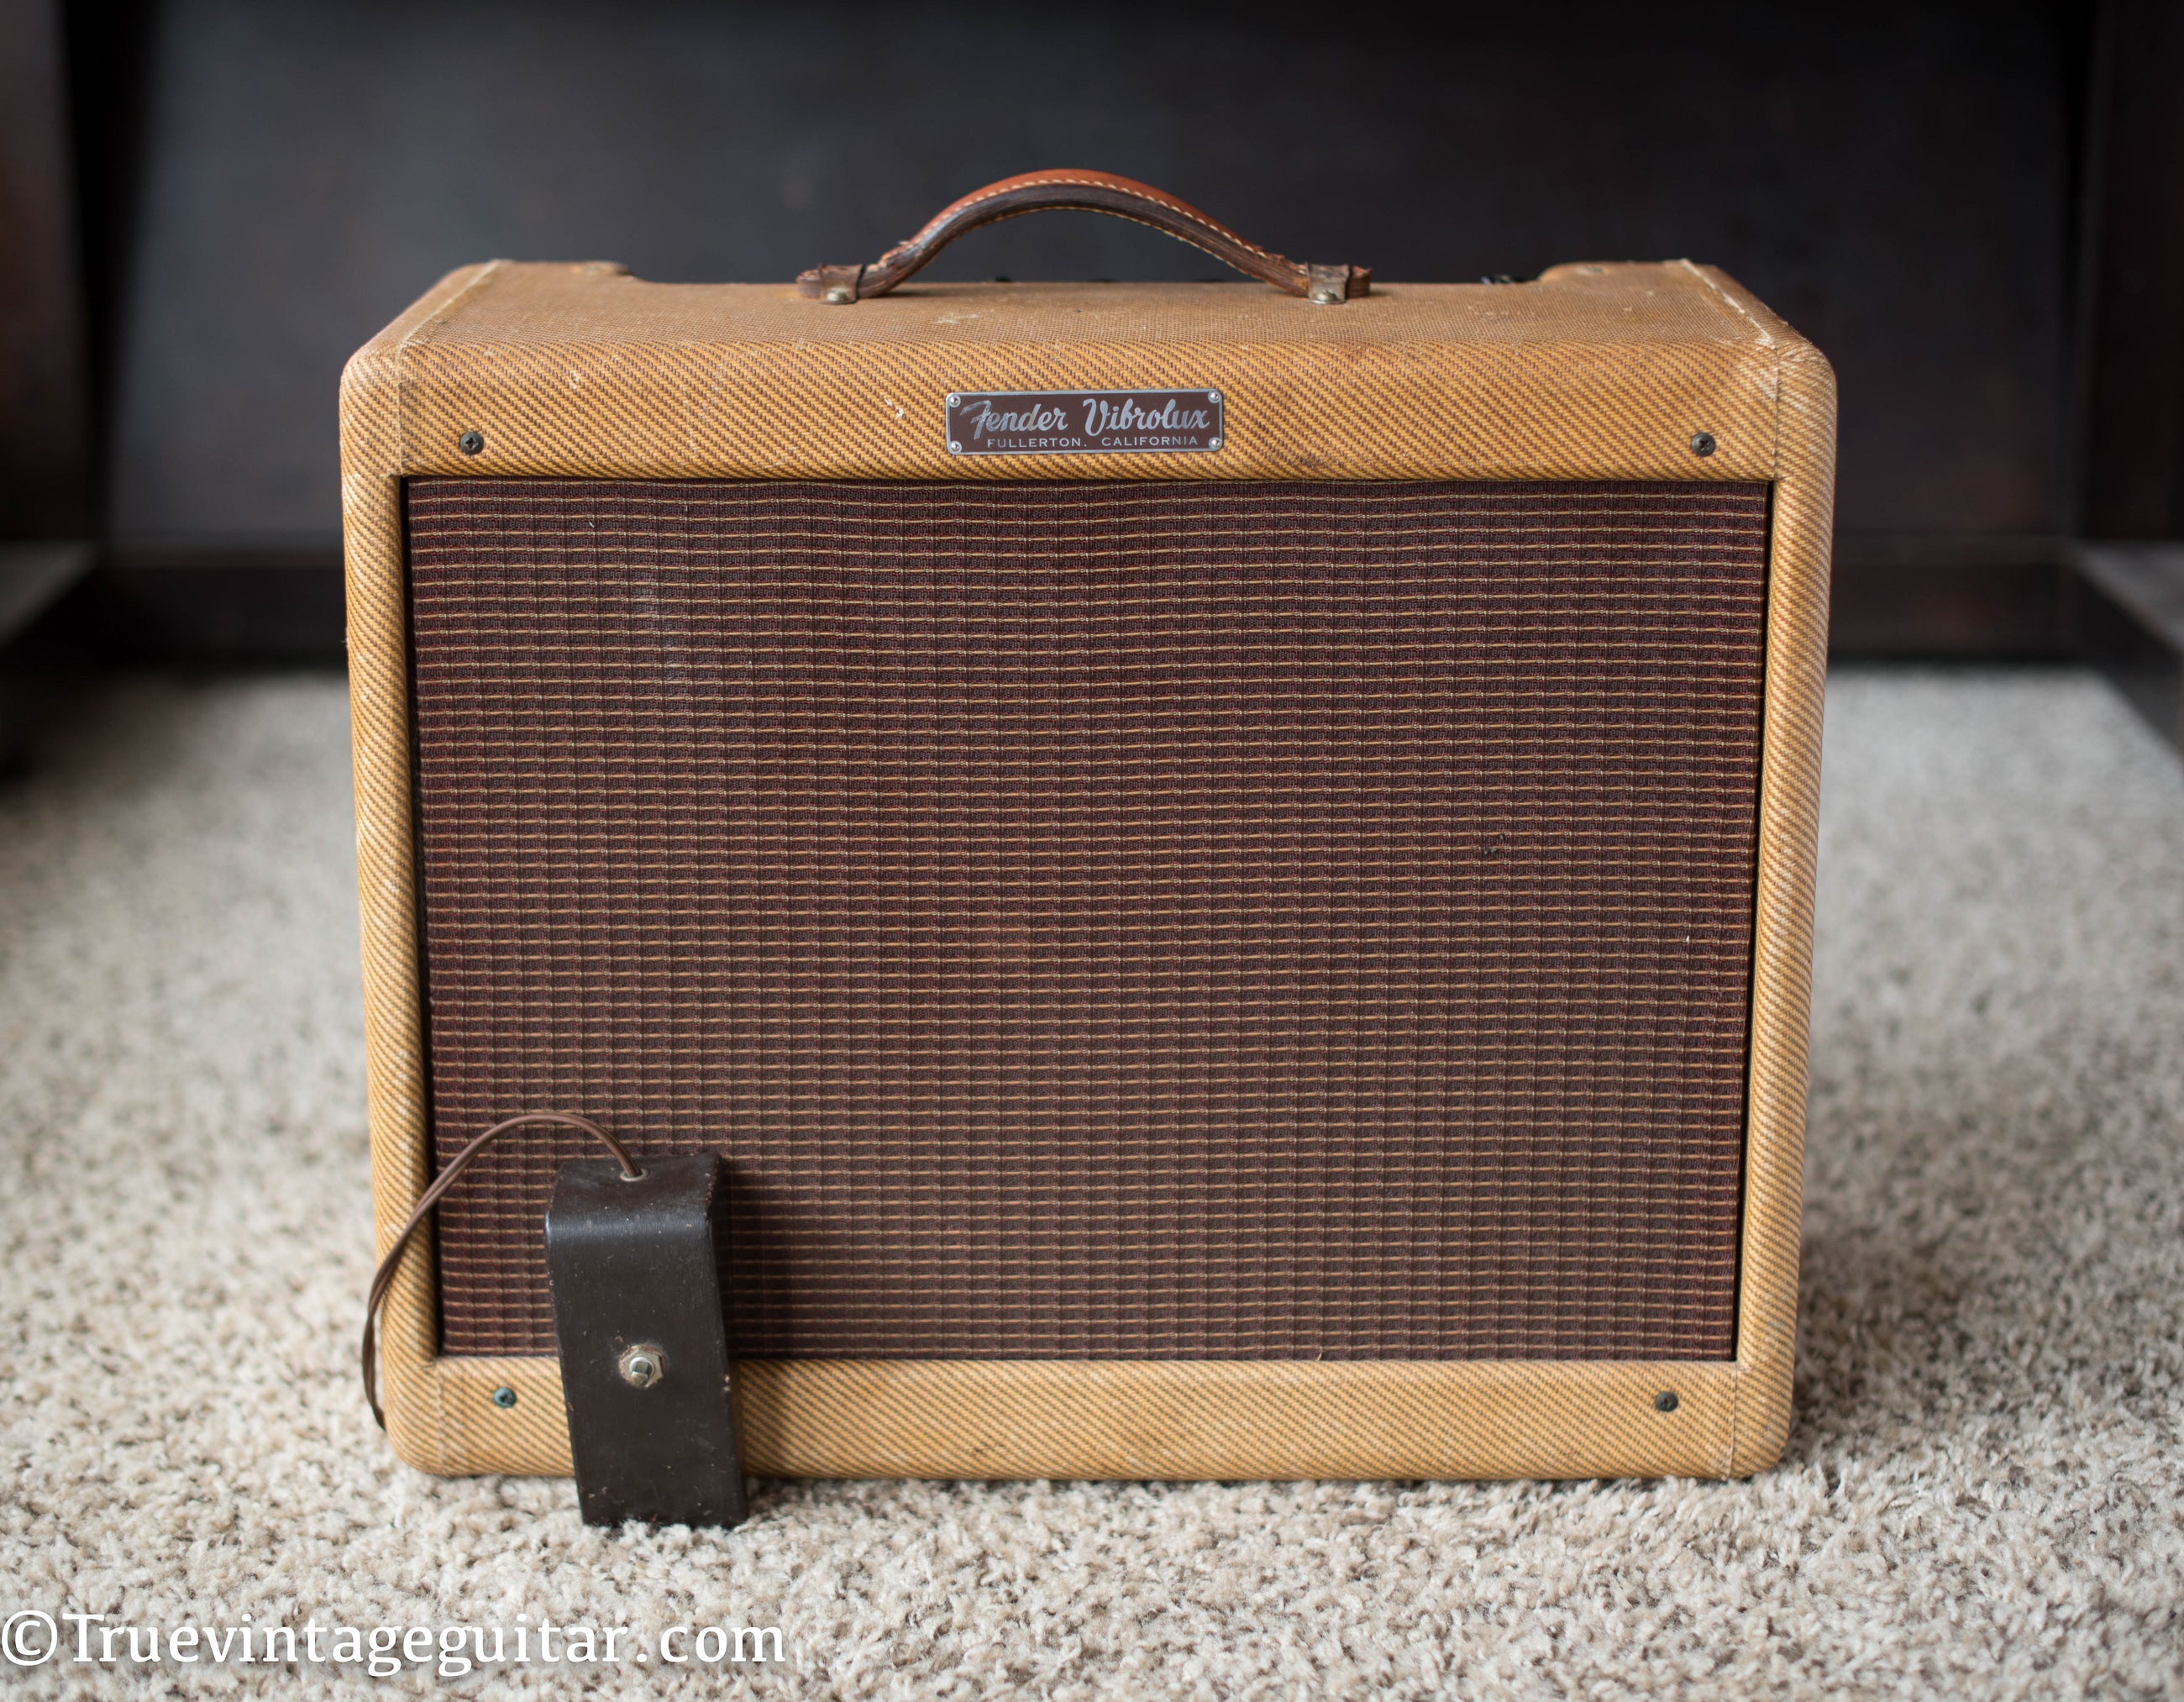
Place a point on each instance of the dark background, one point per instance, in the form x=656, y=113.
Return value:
x=1973, y=208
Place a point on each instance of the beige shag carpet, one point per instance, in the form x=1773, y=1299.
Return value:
x=1983, y=1495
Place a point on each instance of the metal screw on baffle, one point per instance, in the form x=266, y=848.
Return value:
x=471, y=442
x=1703, y=444
x=503, y=1396
x=642, y=1365
x=1665, y=1401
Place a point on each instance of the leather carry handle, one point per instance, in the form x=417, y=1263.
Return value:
x=1089, y=192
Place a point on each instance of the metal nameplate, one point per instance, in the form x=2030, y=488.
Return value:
x=1083, y=422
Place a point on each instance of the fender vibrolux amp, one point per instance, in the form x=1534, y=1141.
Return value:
x=1229, y=869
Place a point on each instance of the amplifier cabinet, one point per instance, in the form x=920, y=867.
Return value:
x=1231, y=875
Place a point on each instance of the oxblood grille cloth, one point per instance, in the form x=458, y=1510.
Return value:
x=1180, y=920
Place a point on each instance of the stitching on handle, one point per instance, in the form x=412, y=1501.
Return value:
x=1139, y=218
x=1033, y=178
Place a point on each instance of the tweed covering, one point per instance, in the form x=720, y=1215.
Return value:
x=1594, y=373
x=1128, y=921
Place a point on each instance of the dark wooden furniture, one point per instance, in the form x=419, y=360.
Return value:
x=1969, y=205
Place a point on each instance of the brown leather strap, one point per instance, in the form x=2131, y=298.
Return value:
x=1090, y=192
x=383, y=1278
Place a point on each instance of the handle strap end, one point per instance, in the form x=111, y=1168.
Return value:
x=835, y=284
x=1328, y=285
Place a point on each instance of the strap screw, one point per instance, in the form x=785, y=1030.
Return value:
x=1665, y=1401
x=503, y=1396
x=642, y=1365
x=471, y=443
x=1703, y=444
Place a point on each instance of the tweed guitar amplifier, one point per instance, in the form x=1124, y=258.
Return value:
x=1227, y=867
